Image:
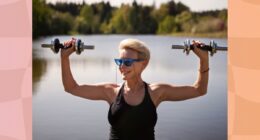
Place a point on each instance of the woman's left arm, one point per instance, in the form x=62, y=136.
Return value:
x=168, y=92
x=201, y=83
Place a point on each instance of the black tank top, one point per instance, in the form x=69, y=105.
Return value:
x=132, y=122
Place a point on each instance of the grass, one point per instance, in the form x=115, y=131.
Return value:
x=207, y=35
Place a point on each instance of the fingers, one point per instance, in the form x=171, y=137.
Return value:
x=70, y=42
x=69, y=48
x=197, y=43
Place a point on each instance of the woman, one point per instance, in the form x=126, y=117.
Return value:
x=132, y=113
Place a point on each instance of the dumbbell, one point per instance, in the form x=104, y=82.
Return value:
x=212, y=47
x=55, y=46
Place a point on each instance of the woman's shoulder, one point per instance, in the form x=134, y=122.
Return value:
x=111, y=89
x=115, y=87
x=155, y=86
x=155, y=92
x=156, y=89
x=158, y=85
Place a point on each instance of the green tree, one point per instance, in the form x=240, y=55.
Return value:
x=223, y=16
x=119, y=22
x=84, y=22
x=208, y=24
x=66, y=18
x=180, y=7
x=81, y=26
x=147, y=23
x=61, y=23
x=184, y=22
x=41, y=18
x=161, y=13
x=168, y=25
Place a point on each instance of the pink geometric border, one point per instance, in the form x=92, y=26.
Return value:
x=243, y=70
x=16, y=70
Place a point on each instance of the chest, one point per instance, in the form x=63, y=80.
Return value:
x=138, y=116
x=134, y=99
x=137, y=99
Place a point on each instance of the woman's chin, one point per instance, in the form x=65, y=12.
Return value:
x=125, y=77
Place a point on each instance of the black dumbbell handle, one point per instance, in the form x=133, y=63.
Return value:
x=88, y=46
x=219, y=48
x=206, y=47
x=63, y=47
x=59, y=46
x=47, y=45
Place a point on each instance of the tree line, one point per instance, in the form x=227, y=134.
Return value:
x=102, y=18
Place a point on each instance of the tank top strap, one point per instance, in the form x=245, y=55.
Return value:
x=119, y=94
x=146, y=88
x=120, y=98
x=148, y=98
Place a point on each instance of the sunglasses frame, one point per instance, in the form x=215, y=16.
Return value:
x=126, y=61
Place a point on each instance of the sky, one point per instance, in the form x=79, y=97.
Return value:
x=195, y=5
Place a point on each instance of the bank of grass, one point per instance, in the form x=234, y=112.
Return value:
x=203, y=35
x=206, y=35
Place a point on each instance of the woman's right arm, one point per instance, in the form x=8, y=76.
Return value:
x=104, y=91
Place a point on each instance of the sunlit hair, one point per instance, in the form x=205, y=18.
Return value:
x=136, y=45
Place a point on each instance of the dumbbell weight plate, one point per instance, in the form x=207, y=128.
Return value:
x=56, y=45
x=213, y=46
x=187, y=47
x=78, y=47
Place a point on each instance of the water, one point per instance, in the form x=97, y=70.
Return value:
x=59, y=115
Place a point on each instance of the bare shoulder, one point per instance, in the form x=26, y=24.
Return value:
x=158, y=87
x=112, y=90
x=109, y=89
x=156, y=90
x=170, y=92
x=111, y=86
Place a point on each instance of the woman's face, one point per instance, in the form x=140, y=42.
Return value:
x=133, y=71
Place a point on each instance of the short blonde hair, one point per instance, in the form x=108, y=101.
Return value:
x=136, y=45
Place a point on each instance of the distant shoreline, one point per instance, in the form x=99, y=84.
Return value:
x=206, y=35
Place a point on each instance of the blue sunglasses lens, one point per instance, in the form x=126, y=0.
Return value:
x=126, y=62
x=118, y=62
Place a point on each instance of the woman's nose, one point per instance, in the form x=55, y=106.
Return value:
x=122, y=66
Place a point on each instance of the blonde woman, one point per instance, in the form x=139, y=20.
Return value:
x=132, y=113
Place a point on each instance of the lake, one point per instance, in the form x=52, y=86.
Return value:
x=58, y=115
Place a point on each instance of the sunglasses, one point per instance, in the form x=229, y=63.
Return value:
x=127, y=61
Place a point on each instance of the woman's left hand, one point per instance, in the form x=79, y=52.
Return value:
x=202, y=54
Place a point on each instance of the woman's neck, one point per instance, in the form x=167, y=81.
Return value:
x=133, y=84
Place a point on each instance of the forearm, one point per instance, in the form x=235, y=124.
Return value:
x=67, y=77
x=201, y=83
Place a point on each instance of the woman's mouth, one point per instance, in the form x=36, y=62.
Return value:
x=125, y=72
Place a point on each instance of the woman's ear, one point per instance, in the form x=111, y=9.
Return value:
x=145, y=63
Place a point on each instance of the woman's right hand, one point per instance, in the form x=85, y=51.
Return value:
x=65, y=53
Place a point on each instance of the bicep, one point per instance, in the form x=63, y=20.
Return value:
x=178, y=93
x=94, y=92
